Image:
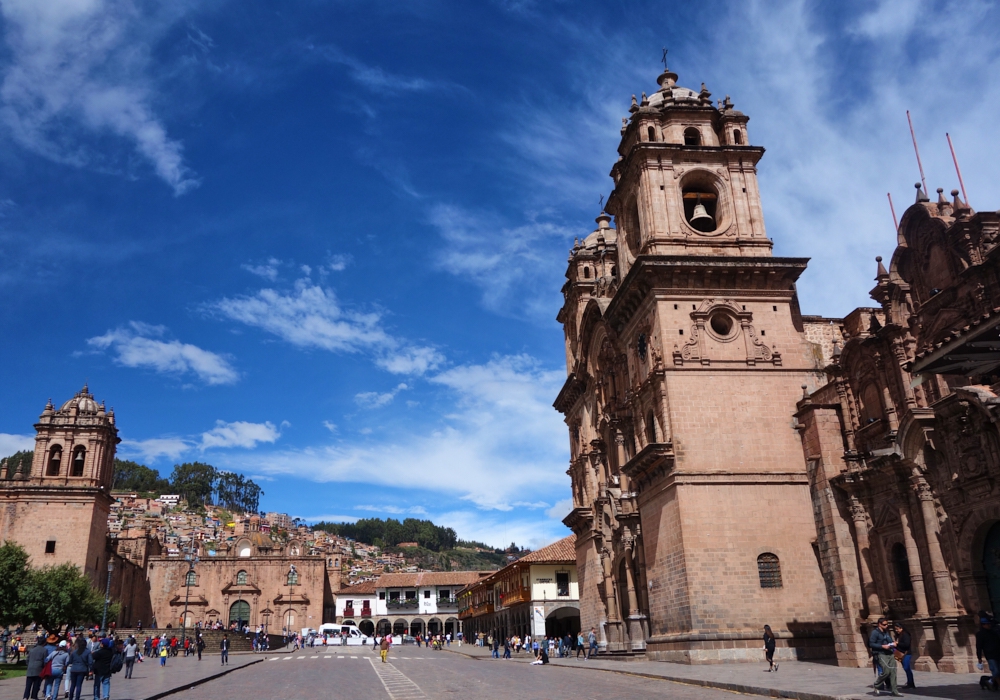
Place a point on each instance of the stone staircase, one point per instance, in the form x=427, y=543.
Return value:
x=237, y=642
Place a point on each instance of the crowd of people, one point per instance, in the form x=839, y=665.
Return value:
x=542, y=648
x=71, y=660
x=68, y=661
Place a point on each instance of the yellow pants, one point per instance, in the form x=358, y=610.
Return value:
x=385, y=653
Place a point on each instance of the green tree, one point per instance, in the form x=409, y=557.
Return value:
x=236, y=492
x=194, y=481
x=17, y=462
x=14, y=572
x=53, y=596
x=132, y=476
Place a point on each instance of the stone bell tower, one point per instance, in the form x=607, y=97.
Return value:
x=691, y=498
x=59, y=511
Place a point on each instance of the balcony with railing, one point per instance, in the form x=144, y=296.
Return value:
x=447, y=603
x=515, y=596
x=348, y=612
x=366, y=612
x=402, y=604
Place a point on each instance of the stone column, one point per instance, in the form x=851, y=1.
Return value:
x=636, y=628
x=860, y=518
x=913, y=559
x=932, y=533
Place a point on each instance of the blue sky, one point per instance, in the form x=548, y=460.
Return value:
x=321, y=243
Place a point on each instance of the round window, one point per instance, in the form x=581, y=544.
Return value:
x=722, y=324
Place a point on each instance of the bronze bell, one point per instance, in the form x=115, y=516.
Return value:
x=700, y=217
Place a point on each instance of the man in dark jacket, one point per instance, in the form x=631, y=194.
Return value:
x=224, y=648
x=988, y=647
x=36, y=662
x=102, y=670
x=881, y=645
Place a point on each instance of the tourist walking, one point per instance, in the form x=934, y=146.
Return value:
x=33, y=673
x=580, y=647
x=80, y=661
x=904, y=653
x=101, y=668
x=200, y=646
x=592, y=642
x=131, y=649
x=224, y=648
x=384, y=647
x=988, y=647
x=59, y=660
x=769, y=645
x=881, y=644
x=163, y=652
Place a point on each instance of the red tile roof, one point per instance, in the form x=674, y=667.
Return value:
x=561, y=552
x=363, y=588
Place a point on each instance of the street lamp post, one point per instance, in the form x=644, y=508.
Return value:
x=107, y=596
x=187, y=596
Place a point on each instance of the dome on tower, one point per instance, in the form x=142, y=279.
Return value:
x=670, y=91
x=84, y=402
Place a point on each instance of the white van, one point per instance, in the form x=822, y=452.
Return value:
x=335, y=632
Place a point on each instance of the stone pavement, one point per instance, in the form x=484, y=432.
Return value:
x=802, y=680
x=423, y=674
x=150, y=681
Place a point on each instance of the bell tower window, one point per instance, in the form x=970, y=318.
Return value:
x=79, y=457
x=700, y=207
x=55, y=461
x=692, y=137
x=737, y=137
x=651, y=132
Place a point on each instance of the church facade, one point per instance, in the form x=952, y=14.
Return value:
x=735, y=463
x=902, y=441
x=686, y=353
x=58, y=511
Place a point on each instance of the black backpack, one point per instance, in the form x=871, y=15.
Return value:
x=117, y=661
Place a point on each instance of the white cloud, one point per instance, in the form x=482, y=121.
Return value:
x=377, y=79
x=267, y=270
x=239, y=434
x=373, y=399
x=890, y=18
x=77, y=69
x=9, y=443
x=155, y=448
x=332, y=427
x=337, y=263
x=311, y=316
x=134, y=347
x=393, y=510
x=561, y=509
x=510, y=264
x=502, y=443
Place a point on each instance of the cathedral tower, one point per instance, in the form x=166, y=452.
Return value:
x=59, y=511
x=686, y=354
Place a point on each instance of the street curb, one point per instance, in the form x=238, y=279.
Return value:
x=206, y=679
x=718, y=685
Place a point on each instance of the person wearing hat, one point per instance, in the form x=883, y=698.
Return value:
x=988, y=647
x=33, y=674
x=59, y=660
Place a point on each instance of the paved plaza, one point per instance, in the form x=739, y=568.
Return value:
x=468, y=672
